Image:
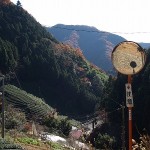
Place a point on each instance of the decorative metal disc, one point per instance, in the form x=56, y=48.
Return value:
x=128, y=57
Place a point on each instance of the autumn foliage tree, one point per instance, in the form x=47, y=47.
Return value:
x=47, y=68
x=5, y=1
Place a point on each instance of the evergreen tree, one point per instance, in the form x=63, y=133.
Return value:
x=39, y=60
x=19, y=4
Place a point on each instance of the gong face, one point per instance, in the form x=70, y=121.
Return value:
x=128, y=57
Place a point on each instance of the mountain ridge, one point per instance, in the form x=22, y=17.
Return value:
x=96, y=45
x=45, y=67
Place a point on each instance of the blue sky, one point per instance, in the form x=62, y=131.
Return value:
x=128, y=18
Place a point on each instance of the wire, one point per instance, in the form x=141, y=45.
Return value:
x=17, y=80
x=113, y=111
x=96, y=31
x=116, y=102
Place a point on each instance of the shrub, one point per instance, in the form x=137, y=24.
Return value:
x=61, y=125
x=144, y=143
x=14, y=118
x=65, y=126
x=104, y=141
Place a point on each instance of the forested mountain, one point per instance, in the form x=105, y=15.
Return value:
x=115, y=96
x=96, y=45
x=38, y=63
x=33, y=60
x=141, y=86
x=145, y=45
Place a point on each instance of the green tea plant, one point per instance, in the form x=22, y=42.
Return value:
x=4, y=145
x=28, y=102
x=28, y=140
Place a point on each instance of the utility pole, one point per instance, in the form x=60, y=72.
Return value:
x=123, y=127
x=129, y=103
x=3, y=106
x=128, y=58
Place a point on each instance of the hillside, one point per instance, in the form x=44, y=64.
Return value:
x=145, y=45
x=28, y=103
x=115, y=96
x=141, y=84
x=38, y=63
x=95, y=44
x=60, y=78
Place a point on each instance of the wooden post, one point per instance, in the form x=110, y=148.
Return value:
x=123, y=127
x=130, y=120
